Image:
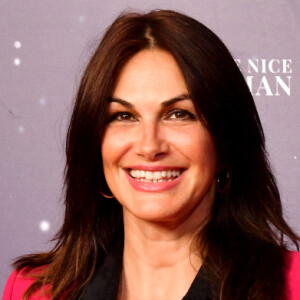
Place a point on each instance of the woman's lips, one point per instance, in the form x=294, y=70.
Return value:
x=154, y=179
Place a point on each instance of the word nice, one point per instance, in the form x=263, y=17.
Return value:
x=267, y=77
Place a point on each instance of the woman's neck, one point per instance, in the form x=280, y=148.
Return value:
x=159, y=261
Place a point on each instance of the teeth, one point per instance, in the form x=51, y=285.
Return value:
x=156, y=176
x=149, y=175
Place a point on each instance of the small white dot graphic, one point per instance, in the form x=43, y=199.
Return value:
x=17, y=44
x=81, y=19
x=17, y=61
x=43, y=101
x=21, y=129
x=295, y=157
x=44, y=225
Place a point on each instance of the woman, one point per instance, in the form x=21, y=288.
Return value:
x=169, y=193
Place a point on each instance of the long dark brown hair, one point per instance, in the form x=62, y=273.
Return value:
x=243, y=242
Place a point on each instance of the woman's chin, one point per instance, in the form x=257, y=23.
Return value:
x=153, y=212
x=149, y=212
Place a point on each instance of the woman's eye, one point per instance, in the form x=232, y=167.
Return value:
x=180, y=114
x=122, y=116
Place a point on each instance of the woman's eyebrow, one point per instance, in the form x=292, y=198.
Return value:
x=174, y=100
x=122, y=102
x=163, y=104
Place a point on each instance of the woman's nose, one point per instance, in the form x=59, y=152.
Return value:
x=151, y=142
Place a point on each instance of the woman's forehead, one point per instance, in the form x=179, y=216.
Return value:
x=150, y=74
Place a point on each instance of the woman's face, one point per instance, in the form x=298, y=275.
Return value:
x=159, y=161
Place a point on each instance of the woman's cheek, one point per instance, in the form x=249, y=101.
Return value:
x=116, y=140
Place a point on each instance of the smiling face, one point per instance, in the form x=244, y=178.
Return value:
x=159, y=160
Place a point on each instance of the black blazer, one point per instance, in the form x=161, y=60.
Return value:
x=105, y=282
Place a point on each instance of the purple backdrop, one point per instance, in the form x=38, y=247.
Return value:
x=44, y=46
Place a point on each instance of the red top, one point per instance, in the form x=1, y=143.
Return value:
x=18, y=283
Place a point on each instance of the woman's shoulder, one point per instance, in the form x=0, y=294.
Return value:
x=293, y=275
x=19, y=281
x=17, y=284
